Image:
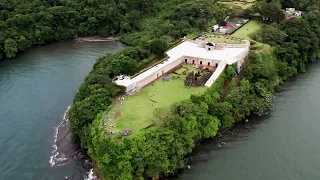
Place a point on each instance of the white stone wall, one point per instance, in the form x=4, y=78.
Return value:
x=173, y=65
x=197, y=61
x=160, y=72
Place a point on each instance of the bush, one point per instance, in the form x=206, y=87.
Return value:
x=230, y=72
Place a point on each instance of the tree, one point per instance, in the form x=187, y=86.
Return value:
x=158, y=46
x=10, y=47
x=272, y=35
x=269, y=11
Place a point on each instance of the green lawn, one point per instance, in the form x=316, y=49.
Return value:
x=243, y=5
x=137, y=110
x=247, y=30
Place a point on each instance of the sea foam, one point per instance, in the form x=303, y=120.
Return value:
x=53, y=159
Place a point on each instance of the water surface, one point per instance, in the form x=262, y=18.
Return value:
x=35, y=90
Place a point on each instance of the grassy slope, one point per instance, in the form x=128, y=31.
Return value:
x=247, y=30
x=243, y=5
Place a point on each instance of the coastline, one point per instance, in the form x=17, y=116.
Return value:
x=66, y=148
x=96, y=39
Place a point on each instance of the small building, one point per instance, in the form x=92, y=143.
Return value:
x=297, y=13
x=290, y=9
x=292, y=12
x=210, y=46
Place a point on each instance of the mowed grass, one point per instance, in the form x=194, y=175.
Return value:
x=137, y=110
x=243, y=5
x=247, y=30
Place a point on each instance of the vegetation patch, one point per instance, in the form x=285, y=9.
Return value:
x=248, y=31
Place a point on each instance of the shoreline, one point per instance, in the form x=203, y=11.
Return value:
x=66, y=148
x=96, y=39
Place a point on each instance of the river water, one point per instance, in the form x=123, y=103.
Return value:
x=35, y=90
x=283, y=145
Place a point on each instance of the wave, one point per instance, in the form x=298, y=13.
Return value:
x=90, y=175
x=53, y=159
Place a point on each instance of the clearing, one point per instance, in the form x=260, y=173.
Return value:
x=243, y=4
x=247, y=31
x=137, y=110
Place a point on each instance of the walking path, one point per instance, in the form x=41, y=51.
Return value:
x=216, y=74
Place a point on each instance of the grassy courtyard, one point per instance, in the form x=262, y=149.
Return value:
x=137, y=110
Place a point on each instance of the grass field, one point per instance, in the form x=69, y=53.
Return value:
x=137, y=110
x=243, y=5
x=247, y=30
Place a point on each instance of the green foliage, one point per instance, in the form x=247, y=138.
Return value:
x=27, y=23
x=230, y=72
x=269, y=11
x=158, y=46
x=296, y=42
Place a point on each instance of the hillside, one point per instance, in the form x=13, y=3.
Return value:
x=25, y=23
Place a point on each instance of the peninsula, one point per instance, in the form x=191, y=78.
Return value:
x=141, y=111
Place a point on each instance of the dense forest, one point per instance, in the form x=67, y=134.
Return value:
x=149, y=27
x=24, y=23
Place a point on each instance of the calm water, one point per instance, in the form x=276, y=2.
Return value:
x=35, y=90
x=283, y=145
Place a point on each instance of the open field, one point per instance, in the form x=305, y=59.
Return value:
x=243, y=4
x=137, y=110
x=247, y=30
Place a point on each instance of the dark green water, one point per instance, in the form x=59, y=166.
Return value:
x=35, y=90
x=283, y=145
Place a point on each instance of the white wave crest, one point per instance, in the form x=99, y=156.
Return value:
x=53, y=159
x=90, y=176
